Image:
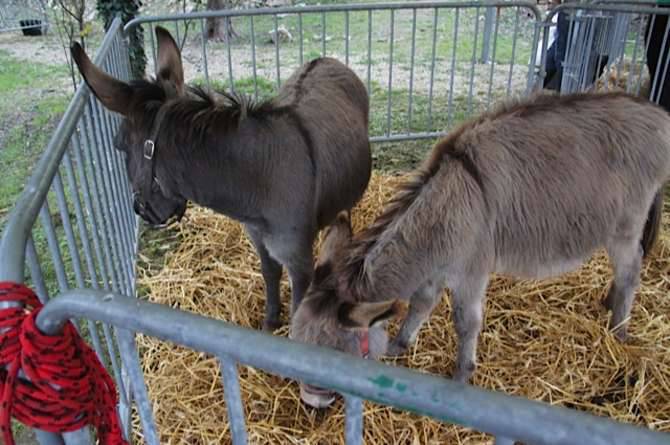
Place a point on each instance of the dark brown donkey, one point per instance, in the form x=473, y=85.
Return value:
x=284, y=168
x=530, y=190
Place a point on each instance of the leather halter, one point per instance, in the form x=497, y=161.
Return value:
x=148, y=154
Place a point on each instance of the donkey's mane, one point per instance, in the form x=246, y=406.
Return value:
x=191, y=116
x=351, y=270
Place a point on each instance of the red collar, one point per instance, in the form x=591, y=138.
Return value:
x=364, y=343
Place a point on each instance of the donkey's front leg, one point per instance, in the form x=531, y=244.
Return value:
x=271, y=270
x=300, y=270
x=421, y=305
x=467, y=313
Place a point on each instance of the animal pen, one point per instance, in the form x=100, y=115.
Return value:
x=73, y=237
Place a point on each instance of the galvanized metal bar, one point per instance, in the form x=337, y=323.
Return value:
x=432, y=69
x=346, y=37
x=131, y=360
x=411, y=73
x=153, y=47
x=323, y=34
x=666, y=50
x=54, y=249
x=487, y=411
x=104, y=267
x=369, y=51
x=566, y=85
x=107, y=198
x=493, y=63
x=651, y=25
x=253, y=56
x=226, y=29
x=302, y=38
x=107, y=152
x=203, y=44
x=515, y=36
x=450, y=106
x=353, y=421
x=231, y=392
x=67, y=228
x=330, y=8
x=36, y=276
x=101, y=205
x=390, y=86
x=474, y=61
x=633, y=62
x=277, y=65
x=489, y=17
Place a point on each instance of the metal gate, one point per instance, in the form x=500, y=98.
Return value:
x=28, y=15
x=83, y=255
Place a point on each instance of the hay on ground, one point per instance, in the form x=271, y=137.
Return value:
x=542, y=340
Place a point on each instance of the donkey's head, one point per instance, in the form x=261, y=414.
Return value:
x=140, y=103
x=327, y=318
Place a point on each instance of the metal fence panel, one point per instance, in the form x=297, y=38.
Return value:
x=427, y=66
x=28, y=15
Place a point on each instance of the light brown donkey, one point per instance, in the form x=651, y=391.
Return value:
x=530, y=190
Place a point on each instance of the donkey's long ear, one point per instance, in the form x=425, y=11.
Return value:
x=169, y=65
x=365, y=315
x=114, y=94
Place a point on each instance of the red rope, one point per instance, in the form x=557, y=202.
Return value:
x=68, y=388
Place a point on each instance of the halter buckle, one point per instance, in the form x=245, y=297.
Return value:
x=149, y=148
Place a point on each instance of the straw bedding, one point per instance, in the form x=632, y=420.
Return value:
x=543, y=340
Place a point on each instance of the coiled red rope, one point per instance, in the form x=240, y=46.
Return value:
x=68, y=387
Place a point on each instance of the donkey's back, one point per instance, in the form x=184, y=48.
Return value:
x=332, y=105
x=564, y=176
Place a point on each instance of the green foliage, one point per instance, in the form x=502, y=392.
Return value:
x=127, y=10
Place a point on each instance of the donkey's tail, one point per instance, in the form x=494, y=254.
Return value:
x=653, y=224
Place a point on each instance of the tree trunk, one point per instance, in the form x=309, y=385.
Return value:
x=217, y=27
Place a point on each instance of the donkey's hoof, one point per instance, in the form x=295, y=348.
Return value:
x=396, y=348
x=464, y=373
x=621, y=334
x=271, y=325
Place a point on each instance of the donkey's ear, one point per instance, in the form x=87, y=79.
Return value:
x=114, y=94
x=169, y=67
x=365, y=315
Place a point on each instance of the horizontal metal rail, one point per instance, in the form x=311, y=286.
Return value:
x=502, y=415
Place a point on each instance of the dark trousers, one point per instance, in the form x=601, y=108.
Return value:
x=657, y=55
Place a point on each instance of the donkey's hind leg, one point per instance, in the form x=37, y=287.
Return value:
x=467, y=313
x=421, y=305
x=271, y=270
x=626, y=256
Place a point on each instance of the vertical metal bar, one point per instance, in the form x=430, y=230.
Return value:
x=353, y=426
x=633, y=61
x=390, y=88
x=302, y=38
x=52, y=241
x=346, y=37
x=474, y=61
x=323, y=34
x=57, y=185
x=176, y=25
x=493, y=63
x=369, y=49
x=450, y=113
x=277, y=51
x=572, y=42
x=203, y=44
x=511, y=63
x=646, y=50
x=432, y=70
x=231, y=392
x=486, y=37
x=253, y=55
x=105, y=268
x=128, y=351
x=36, y=276
x=227, y=23
x=108, y=195
x=153, y=46
x=530, y=77
x=411, y=73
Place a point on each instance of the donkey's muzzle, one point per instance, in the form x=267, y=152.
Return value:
x=316, y=397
